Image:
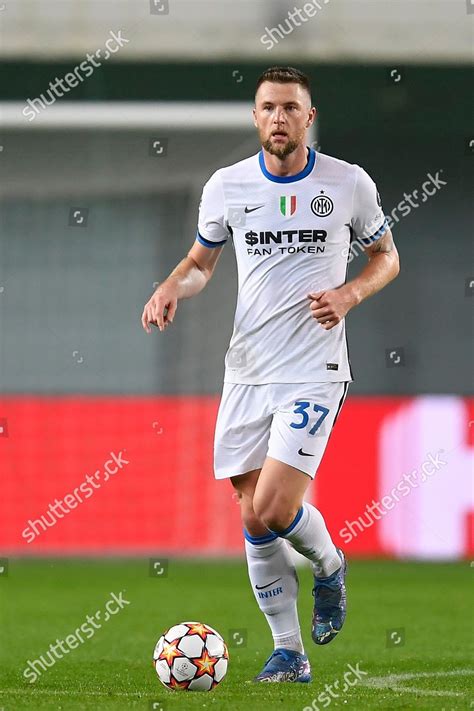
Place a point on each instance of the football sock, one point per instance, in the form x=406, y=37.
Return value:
x=309, y=536
x=275, y=586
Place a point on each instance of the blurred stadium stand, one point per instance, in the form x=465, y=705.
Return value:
x=80, y=378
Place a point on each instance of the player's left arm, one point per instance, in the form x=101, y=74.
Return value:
x=331, y=306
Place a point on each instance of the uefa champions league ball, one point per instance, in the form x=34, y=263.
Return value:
x=191, y=656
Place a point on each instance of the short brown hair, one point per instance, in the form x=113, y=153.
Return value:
x=284, y=75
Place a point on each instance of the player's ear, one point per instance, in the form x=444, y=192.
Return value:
x=254, y=113
x=312, y=117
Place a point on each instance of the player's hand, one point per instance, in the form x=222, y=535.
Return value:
x=161, y=308
x=331, y=306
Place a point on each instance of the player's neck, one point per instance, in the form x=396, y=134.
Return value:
x=291, y=165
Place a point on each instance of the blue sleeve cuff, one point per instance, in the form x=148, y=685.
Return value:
x=208, y=243
x=377, y=235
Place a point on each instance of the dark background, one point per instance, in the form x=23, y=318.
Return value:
x=72, y=297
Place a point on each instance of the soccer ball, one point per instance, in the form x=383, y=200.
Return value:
x=191, y=656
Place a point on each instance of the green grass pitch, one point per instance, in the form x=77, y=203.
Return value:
x=409, y=629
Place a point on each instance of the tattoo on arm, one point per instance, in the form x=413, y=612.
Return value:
x=384, y=244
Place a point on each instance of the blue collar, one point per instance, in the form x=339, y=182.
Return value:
x=289, y=178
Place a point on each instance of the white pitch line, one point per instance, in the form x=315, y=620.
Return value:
x=56, y=692
x=392, y=682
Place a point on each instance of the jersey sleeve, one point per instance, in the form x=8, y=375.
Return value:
x=368, y=220
x=212, y=228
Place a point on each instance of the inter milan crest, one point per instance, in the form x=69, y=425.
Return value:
x=287, y=205
x=322, y=205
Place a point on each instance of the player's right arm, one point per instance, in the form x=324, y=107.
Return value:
x=188, y=278
x=194, y=271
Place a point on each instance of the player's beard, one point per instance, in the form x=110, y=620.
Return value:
x=281, y=151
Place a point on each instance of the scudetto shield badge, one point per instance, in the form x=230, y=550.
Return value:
x=287, y=205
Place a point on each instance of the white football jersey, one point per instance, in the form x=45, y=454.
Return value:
x=291, y=236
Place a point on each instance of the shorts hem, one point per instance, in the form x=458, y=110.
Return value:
x=249, y=469
x=239, y=473
x=292, y=464
x=285, y=381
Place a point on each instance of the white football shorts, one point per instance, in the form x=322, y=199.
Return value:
x=289, y=422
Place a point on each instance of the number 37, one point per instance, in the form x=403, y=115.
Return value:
x=301, y=409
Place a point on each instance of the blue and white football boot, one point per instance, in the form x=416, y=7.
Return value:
x=329, y=604
x=285, y=665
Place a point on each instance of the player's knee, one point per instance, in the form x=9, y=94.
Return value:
x=250, y=520
x=253, y=525
x=276, y=517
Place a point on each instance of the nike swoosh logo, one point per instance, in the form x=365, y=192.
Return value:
x=252, y=209
x=304, y=454
x=262, y=587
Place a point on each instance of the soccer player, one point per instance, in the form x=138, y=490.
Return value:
x=292, y=214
